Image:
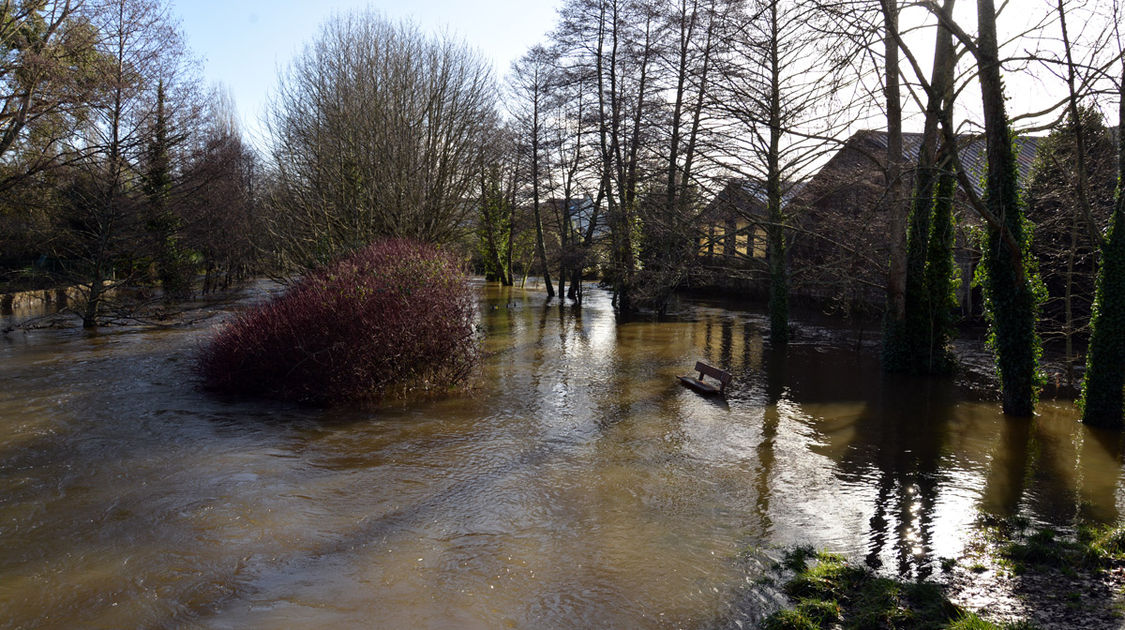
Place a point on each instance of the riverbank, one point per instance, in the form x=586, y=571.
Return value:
x=1014, y=577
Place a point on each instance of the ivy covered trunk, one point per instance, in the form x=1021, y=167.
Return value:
x=1102, y=403
x=1105, y=361
x=1007, y=275
x=940, y=279
x=915, y=342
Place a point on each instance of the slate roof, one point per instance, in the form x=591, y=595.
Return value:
x=972, y=151
x=756, y=190
x=746, y=197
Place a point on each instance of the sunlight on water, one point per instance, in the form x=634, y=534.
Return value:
x=577, y=484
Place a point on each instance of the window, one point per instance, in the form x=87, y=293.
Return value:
x=742, y=239
x=759, y=242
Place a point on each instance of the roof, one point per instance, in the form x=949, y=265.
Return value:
x=747, y=196
x=972, y=151
x=756, y=189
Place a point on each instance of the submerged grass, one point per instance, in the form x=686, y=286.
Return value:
x=1090, y=548
x=829, y=593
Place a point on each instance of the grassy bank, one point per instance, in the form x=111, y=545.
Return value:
x=826, y=591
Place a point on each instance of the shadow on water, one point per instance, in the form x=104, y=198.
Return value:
x=897, y=449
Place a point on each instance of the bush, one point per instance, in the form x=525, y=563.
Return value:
x=394, y=316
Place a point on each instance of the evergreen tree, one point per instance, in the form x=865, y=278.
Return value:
x=164, y=226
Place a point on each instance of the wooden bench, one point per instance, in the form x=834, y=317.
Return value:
x=707, y=389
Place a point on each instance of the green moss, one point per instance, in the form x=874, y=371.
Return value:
x=789, y=620
x=1091, y=547
x=832, y=593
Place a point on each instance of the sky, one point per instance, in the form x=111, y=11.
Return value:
x=244, y=43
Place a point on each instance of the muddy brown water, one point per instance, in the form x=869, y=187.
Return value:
x=579, y=486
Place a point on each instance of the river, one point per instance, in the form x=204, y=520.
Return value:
x=576, y=485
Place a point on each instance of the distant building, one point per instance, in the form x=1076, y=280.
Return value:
x=839, y=246
x=842, y=249
x=733, y=223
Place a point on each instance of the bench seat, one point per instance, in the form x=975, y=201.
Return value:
x=703, y=387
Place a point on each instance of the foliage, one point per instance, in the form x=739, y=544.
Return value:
x=1068, y=232
x=393, y=316
x=831, y=593
x=115, y=171
x=1105, y=371
x=1104, y=542
x=1012, y=295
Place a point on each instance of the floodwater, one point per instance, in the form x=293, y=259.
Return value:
x=578, y=486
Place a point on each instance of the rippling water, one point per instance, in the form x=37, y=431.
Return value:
x=579, y=485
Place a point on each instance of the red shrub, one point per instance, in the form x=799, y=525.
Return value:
x=398, y=314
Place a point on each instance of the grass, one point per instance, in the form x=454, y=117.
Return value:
x=1090, y=547
x=829, y=592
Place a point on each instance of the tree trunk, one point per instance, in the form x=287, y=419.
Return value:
x=908, y=342
x=775, y=233
x=1008, y=285
x=540, y=248
x=896, y=269
x=1102, y=403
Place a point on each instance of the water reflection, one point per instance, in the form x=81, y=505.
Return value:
x=578, y=484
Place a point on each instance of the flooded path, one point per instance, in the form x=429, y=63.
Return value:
x=578, y=486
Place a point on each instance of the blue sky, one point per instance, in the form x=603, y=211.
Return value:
x=243, y=43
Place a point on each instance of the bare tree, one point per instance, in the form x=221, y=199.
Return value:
x=217, y=197
x=46, y=81
x=573, y=206
x=138, y=50
x=700, y=37
x=532, y=77
x=786, y=114
x=497, y=201
x=617, y=42
x=375, y=131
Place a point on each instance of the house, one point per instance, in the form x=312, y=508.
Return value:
x=838, y=248
x=841, y=248
x=734, y=222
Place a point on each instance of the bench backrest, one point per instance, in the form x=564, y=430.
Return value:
x=722, y=376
